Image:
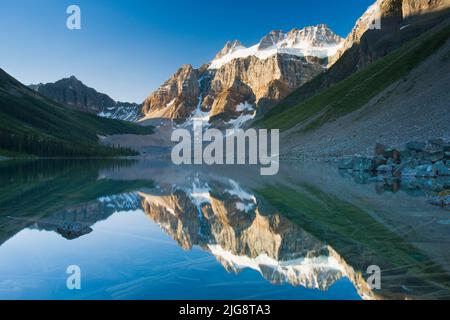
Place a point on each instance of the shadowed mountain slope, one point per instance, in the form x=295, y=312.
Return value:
x=34, y=125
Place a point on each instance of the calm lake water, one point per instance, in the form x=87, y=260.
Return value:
x=150, y=230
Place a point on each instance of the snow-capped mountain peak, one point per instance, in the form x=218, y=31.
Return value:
x=271, y=39
x=229, y=48
x=317, y=41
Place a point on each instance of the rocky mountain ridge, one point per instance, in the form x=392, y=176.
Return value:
x=383, y=19
x=313, y=41
x=74, y=94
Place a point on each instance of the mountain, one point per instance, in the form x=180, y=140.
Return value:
x=400, y=21
x=72, y=93
x=283, y=69
x=396, y=98
x=32, y=124
x=241, y=82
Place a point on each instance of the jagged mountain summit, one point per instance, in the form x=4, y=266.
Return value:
x=74, y=94
x=241, y=82
x=316, y=41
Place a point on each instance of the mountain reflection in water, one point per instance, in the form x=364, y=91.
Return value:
x=305, y=228
x=227, y=221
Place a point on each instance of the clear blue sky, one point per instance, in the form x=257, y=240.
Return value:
x=128, y=48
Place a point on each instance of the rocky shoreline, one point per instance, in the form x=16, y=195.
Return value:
x=420, y=165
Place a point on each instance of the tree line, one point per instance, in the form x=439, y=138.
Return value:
x=49, y=147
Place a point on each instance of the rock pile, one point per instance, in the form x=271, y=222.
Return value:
x=420, y=166
x=419, y=159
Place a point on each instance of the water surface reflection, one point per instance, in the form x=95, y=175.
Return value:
x=152, y=230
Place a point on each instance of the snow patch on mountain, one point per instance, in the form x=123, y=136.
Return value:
x=197, y=116
x=236, y=190
x=171, y=102
x=199, y=193
x=240, y=121
x=245, y=106
x=122, y=111
x=121, y=202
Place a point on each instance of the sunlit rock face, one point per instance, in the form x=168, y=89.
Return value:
x=177, y=97
x=229, y=222
x=256, y=76
x=411, y=8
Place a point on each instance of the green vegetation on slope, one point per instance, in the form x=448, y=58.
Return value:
x=33, y=125
x=352, y=93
